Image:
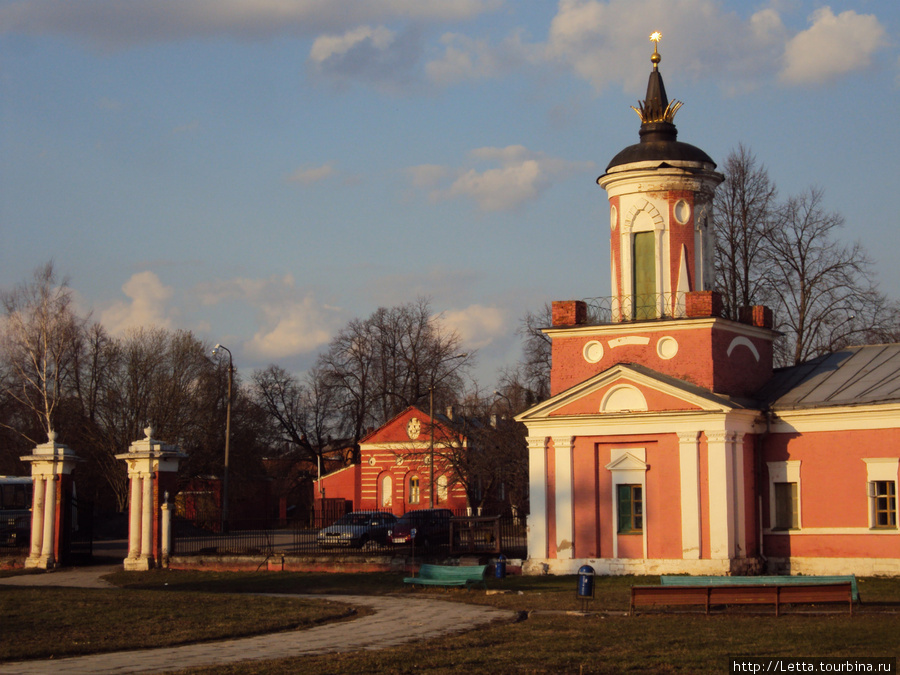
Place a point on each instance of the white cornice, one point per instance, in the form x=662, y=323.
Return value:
x=837, y=418
x=665, y=326
x=631, y=424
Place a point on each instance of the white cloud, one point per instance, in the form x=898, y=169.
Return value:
x=832, y=46
x=291, y=321
x=702, y=38
x=123, y=23
x=290, y=329
x=332, y=46
x=477, y=325
x=148, y=298
x=598, y=39
x=427, y=175
x=465, y=58
x=313, y=174
x=372, y=55
x=522, y=177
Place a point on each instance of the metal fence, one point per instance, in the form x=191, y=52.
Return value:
x=626, y=308
x=206, y=533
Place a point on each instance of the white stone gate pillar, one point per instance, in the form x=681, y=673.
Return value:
x=152, y=470
x=51, y=470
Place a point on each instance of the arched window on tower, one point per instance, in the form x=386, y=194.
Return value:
x=413, y=492
x=644, y=282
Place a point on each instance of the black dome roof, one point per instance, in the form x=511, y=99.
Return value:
x=660, y=151
x=658, y=132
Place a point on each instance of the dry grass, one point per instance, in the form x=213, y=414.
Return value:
x=549, y=641
x=87, y=621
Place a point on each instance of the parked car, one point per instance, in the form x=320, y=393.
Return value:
x=432, y=526
x=357, y=529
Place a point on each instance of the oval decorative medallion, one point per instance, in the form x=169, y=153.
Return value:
x=667, y=347
x=593, y=351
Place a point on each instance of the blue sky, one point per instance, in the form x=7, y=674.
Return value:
x=263, y=171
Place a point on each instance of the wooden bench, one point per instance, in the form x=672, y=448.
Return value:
x=670, y=580
x=742, y=594
x=449, y=575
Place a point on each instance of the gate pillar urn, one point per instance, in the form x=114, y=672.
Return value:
x=152, y=473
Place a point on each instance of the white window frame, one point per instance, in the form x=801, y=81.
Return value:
x=881, y=469
x=628, y=466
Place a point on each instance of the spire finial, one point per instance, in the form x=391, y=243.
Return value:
x=655, y=58
x=656, y=107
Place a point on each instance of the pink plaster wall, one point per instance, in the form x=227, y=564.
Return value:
x=586, y=467
x=833, y=493
x=663, y=500
x=702, y=357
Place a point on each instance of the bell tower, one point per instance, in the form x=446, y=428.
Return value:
x=660, y=195
x=663, y=313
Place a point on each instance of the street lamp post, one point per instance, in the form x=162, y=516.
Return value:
x=431, y=417
x=227, y=434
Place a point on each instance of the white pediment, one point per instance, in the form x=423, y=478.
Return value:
x=627, y=387
x=627, y=462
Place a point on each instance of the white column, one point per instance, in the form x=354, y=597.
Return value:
x=37, y=517
x=166, y=530
x=740, y=525
x=134, y=518
x=565, y=498
x=147, y=517
x=689, y=459
x=537, y=496
x=721, y=495
x=48, y=544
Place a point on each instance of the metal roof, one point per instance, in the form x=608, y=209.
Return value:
x=851, y=376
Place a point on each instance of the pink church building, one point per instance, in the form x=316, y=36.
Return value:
x=669, y=443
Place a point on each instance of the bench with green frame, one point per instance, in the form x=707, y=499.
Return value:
x=449, y=575
x=741, y=594
x=671, y=580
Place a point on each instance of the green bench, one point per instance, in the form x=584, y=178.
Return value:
x=670, y=580
x=447, y=575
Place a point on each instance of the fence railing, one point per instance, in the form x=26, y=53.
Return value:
x=625, y=308
x=207, y=534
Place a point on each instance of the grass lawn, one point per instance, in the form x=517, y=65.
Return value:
x=549, y=641
x=37, y=622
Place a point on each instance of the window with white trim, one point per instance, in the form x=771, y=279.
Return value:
x=882, y=475
x=786, y=503
x=784, y=495
x=884, y=503
x=630, y=502
x=414, y=493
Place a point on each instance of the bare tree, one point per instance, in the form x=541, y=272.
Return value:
x=742, y=217
x=377, y=367
x=302, y=412
x=824, y=290
x=40, y=339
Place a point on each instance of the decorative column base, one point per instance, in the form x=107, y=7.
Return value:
x=139, y=564
x=41, y=562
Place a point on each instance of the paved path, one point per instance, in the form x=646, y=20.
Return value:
x=395, y=621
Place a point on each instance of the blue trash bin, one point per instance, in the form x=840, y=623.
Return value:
x=500, y=567
x=585, y=581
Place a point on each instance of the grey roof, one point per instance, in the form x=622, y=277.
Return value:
x=851, y=376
